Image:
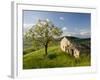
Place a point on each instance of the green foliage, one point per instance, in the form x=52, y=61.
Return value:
x=52, y=56
x=43, y=32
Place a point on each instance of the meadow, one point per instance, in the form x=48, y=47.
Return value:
x=34, y=59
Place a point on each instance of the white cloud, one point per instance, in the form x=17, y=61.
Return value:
x=66, y=34
x=47, y=20
x=69, y=34
x=27, y=27
x=84, y=33
x=64, y=28
x=61, y=18
x=80, y=33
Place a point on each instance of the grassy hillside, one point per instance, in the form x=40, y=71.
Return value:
x=55, y=58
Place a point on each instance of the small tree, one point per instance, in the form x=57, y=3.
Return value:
x=43, y=32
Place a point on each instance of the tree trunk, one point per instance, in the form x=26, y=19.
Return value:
x=46, y=47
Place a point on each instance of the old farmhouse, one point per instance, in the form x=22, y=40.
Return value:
x=69, y=47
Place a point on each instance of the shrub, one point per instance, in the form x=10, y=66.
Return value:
x=52, y=56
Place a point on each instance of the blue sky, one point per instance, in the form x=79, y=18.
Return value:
x=72, y=24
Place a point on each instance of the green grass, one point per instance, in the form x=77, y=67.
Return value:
x=55, y=58
x=28, y=50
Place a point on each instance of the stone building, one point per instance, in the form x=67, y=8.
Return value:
x=69, y=47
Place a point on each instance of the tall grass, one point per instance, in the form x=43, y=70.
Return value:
x=55, y=58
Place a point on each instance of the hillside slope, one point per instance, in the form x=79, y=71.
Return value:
x=55, y=58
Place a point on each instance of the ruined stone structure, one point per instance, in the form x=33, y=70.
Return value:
x=68, y=47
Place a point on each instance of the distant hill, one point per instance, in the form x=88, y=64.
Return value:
x=73, y=38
